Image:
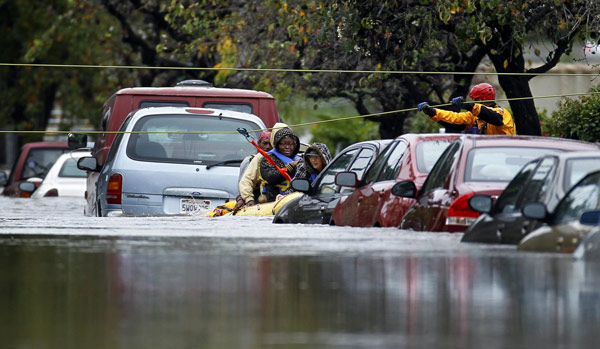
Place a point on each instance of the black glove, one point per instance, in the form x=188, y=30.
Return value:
x=425, y=108
x=460, y=102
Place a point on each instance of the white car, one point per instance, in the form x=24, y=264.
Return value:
x=64, y=178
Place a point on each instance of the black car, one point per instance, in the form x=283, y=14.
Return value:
x=319, y=199
x=545, y=179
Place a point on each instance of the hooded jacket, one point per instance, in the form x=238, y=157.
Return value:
x=272, y=181
x=305, y=169
x=249, y=184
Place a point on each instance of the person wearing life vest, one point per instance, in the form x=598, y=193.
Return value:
x=285, y=155
x=315, y=158
x=481, y=117
x=264, y=142
x=249, y=184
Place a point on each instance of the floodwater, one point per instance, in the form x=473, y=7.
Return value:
x=69, y=281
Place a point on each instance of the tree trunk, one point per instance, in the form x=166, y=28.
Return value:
x=524, y=113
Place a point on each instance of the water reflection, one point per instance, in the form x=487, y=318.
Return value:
x=172, y=292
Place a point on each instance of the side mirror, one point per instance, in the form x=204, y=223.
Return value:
x=88, y=163
x=346, y=179
x=300, y=184
x=27, y=187
x=481, y=203
x=3, y=179
x=406, y=189
x=535, y=210
x=590, y=218
x=76, y=140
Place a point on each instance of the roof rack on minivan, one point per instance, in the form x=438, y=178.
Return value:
x=194, y=83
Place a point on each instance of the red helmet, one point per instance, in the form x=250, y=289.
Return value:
x=483, y=92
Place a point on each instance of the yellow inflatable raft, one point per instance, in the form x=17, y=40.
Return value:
x=266, y=209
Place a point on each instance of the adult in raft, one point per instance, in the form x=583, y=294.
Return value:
x=250, y=183
x=482, y=116
x=264, y=142
x=285, y=155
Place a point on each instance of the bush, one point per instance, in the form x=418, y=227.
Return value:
x=576, y=119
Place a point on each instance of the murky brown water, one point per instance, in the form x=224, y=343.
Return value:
x=79, y=282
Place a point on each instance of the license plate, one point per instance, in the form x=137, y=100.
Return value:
x=191, y=206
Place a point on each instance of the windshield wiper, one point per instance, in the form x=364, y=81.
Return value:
x=224, y=163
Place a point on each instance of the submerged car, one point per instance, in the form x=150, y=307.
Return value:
x=409, y=157
x=32, y=164
x=473, y=164
x=545, y=179
x=576, y=215
x=63, y=179
x=170, y=160
x=319, y=198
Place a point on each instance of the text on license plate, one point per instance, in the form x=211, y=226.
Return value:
x=191, y=206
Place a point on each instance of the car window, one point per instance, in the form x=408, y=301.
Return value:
x=239, y=107
x=69, y=170
x=582, y=197
x=148, y=104
x=500, y=164
x=428, y=152
x=189, y=139
x=540, y=182
x=39, y=161
x=440, y=172
x=362, y=161
x=391, y=166
x=117, y=141
x=508, y=199
x=374, y=169
x=326, y=182
x=576, y=169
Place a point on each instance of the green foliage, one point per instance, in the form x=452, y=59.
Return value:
x=577, y=118
x=338, y=135
x=309, y=119
x=421, y=123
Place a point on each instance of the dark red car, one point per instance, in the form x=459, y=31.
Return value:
x=33, y=163
x=473, y=164
x=408, y=157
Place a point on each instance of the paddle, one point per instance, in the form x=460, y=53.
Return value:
x=283, y=171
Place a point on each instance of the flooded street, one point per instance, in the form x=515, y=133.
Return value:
x=72, y=281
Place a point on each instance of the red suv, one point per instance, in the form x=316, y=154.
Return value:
x=33, y=163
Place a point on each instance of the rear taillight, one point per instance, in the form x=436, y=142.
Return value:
x=51, y=192
x=459, y=212
x=114, y=189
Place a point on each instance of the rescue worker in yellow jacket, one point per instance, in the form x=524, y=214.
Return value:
x=481, y=117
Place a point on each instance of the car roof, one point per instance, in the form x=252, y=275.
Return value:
x=423, y=136
x=195, y=91
x=198, y=111
x=542, y=141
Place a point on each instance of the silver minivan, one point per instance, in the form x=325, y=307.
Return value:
x=172, y=160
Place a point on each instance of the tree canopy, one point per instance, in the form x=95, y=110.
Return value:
x=436, y=44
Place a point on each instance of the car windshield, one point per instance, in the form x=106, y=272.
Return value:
x=500, y=164
x=39, y=161
x=190, y=139
x=576, y=169
x=585, y=196
x=428, y=152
